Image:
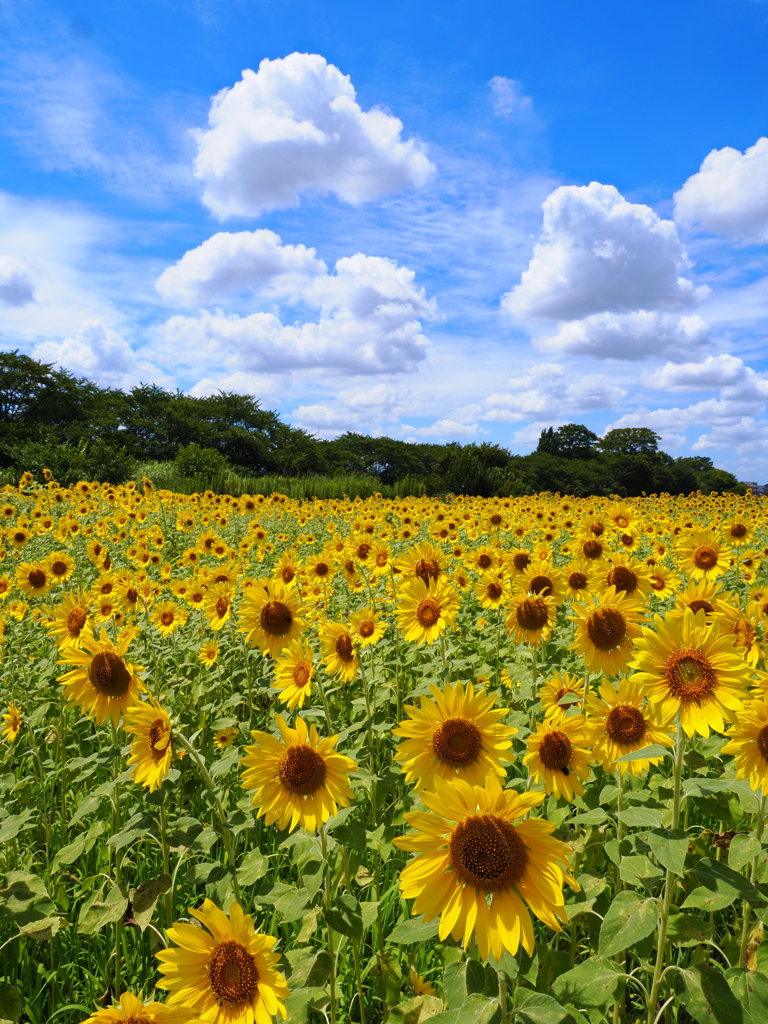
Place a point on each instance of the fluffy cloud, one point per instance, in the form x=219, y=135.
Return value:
x=729, y=193
x=370, y=313
x=16, y=287
x=548, y=391
x=101, y=355
x=715, y=372
x=357, y=409
x=629, y=336
x=243, y=261
x=743, y=435
x=295, y=126
x=508, y=98
x=600, y=253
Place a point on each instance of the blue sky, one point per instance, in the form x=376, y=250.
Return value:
x=433, y=221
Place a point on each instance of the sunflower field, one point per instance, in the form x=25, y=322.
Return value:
x=465, y=761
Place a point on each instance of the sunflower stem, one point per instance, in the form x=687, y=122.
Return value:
x=752, y=876
x=503, y=996
x=226, y=834
x=168, y=899
x=327, y=893
x=669, y=883
x=118, y=864
x=619, y=824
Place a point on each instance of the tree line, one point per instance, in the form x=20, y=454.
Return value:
x=51, y=418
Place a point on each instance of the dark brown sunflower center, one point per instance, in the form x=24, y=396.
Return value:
x=382, y=558
x=597, y=529
x=166, y=618
x=36, y=578
x=287, y=573
x=367, y=629
x=521, y=560
x=657, y=582
x=623, y=578
x=606, y=628
x=541, y=585
x=232, y=973
x=488, y=853
x=222, y=604
x=457, y=742
x=705, y=557
x=744, y=632
x=427, y=569
x=496, y=519
x=157, y=738
x=344, y=648
x=555, y=751
x=532, y=614
x=428, y=612
x=107, y=674
x=699, y=604
x=321, y=569
x=131, y=595
x=625, y=724
x=76, y=621
x=592, y=549
x=136, y=1018
x=301, y=674
x=762, y=742
x=738, y=530
x=690, y=676
x=493, y=591
x=276, y=618
x=302, y=770
x=363, y=550
x=577, y=581
x=627, y=540
x=484, y=561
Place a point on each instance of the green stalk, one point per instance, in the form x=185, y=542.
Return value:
x=752, y=876
x=327, y=896
x=168, y=899
x=669, y=883
x=226, y=834
x=118, y=864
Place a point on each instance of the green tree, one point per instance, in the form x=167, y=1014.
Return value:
x=630, y=441
x=571, y=441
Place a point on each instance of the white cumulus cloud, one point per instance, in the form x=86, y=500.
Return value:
x=728, y=195
x=103, y=356
x=714, y=372
x=547, y=392
x=16, y=286
x=629, y=336
x=295, y=126
x=600, y=253
x=235, y=262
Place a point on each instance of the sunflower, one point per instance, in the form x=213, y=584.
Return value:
x=552, y=692
x=604, y=631
x=687, y=666
x=12, y=719
x=69, y=620
x=531, y=618
x=60, y=565
x=380, y=560
x=225, y=737
x=272, y=616
x=484, y=559
x=339, y=650
x=5, y=586
x=704, y=555
x=419, y=986
x=455, y=734
x=517, y=561
x=103, y=683
x=151, y=750
x=33, y=578
x=559, y=755
x=748, y=741
x=208, y=653
x=286, y=569
x=749, y=640
x=627, y=576
x=320, y=567
x=491, y=591
x=367, y=626
x=425, y=561
x=470, y=846
x=132, y=1010
x=578, y=579
x=293, y=674
x=541, y=579
x=424, y=611
x=739, y=531
x=664, y=581
x=705, y=595
x=217, y=605
x=623, y=724
x=226, y=969
x=298, y=779
x=167, y=616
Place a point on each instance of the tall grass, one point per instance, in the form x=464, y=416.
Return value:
x=164, y=476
